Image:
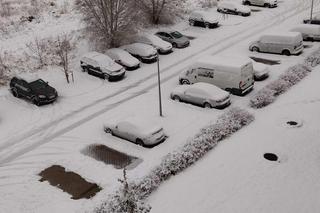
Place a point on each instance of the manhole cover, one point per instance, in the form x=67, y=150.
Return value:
x=69, y=182
x=270, y=156
x=294, y=123
x=110, y=156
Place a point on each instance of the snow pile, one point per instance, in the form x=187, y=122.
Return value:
x=176, y=162
x=268, y=94
x=313, y=59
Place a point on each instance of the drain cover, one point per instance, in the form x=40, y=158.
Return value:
x=292, y=123
x=270, y=156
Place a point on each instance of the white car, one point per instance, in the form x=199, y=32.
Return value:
x=233, y=7
x=123, y=58
x=310, y=32
x=143, y=52
x=203, y=19
x=261, y=71
x=202, y=94
x=137, y=130
x=102, y=66
x=264, y=3
x=162, y=46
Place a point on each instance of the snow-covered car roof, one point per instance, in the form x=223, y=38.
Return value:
x=140, y=48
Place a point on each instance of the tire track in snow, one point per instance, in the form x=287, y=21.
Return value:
x=9, y=155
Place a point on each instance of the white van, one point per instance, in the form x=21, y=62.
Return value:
x=233, y=75
x=310, y=32
x=285, y=43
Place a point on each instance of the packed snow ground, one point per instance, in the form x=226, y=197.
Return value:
x=33, y=138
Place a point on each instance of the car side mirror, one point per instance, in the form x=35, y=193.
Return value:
x=47, y=82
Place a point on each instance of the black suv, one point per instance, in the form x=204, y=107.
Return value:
x=38, y=91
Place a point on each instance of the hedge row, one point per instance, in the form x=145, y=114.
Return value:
x=268, y=94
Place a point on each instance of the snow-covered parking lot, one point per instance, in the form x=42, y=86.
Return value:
x=234, y=177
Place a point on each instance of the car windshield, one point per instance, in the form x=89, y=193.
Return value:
x=176, y=34
x=38, y=84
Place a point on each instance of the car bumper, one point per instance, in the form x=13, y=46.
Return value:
x=223, y=105
x=261, y=77
x=167, y=51
x=149, y=59
x=47, y=100
x=116, y=77
x=298, y=50
x=242, y=92
x=130, y=68
x=152, y=143
x=183, y=45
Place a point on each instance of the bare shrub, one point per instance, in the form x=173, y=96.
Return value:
x=108, y=22
x=5, y=9
x=64, y=46
x=313, y=59
x=4, y=68
x=37, y=50
x=160, y=11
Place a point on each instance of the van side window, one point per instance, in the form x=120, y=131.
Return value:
x=204, y=72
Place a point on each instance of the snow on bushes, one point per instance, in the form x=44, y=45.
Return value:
x=175, y=162
x=268, y=94
x=313, y=59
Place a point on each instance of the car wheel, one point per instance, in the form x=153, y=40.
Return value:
x=174, y=45
x=15, y=93
x=255, y=49
x=139, y=142
x=185, y=81
x=35, y=101
x=207, y=105
x=286, y=52
x=247, y=3
x=267, y=5
x=206, y=25
x=219, y=10
x=176, y=98
x=108, y=130
x=191, y=22
x=107, y=77
x=84, y=69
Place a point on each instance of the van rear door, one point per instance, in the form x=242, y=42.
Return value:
x=247, y=79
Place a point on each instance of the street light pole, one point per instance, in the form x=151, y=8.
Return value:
x=159, y=85
x=311, y=10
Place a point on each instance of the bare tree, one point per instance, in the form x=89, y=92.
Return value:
x=109, y=21
x=4, y=68
x=37, y=50
x=64, y=46
x=160, y=11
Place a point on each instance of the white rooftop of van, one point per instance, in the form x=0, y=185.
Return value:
x=234, y=64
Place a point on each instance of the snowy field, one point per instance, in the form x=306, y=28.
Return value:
x=233, y=178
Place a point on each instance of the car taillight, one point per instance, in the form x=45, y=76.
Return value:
x=240, y=84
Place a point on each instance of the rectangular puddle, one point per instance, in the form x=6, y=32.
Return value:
x=110, y=156
x=69, y=182
x=266, y=61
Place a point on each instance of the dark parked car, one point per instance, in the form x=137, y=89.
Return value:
x=203, y=19
x=38, y=92
x=315, y=20
x=175, y=38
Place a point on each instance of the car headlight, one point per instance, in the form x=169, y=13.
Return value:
x=42, y=96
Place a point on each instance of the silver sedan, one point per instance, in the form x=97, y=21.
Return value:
x=202, y=94
x=175, y=38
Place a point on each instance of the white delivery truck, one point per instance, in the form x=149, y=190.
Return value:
x=231, y=74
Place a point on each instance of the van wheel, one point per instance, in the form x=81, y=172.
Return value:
x=255, y=49
x=206, y=25
x=185, y=81
x=139, y=142
x=84, y=69
x=286, y=52
x=176, y=98
x=191, y=22
x=207, y=105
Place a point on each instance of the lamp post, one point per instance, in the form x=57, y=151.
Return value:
x=311, y=10
x=159, y=85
